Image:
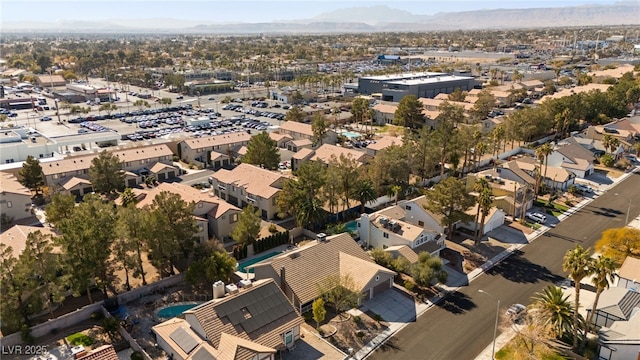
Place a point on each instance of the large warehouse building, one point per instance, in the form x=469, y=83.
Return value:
x=423, y=85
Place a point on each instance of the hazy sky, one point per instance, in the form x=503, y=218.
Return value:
x=239, y=10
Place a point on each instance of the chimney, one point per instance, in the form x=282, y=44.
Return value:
x=283, y=280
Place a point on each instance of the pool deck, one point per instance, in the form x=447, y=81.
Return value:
x=251, y=276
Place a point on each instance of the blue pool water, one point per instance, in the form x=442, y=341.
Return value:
x=173, y=311
x=351, y=226
x=243, y=265
x=351, y=134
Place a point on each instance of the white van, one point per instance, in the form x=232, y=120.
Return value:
x=537, y=217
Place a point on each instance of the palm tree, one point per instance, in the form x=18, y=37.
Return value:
x=543, y=152
x=579, y=264
x=481, y=185
x=310, y=212
x=604, y=273
x=394, y=190
x=485, y=199
x=552, y=307
x=364, y=192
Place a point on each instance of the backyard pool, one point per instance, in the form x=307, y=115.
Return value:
x=172, y=311
x=351, y=135
x=351, y=226
x=243, y=265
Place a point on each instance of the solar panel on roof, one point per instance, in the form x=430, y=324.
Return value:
x=185, y=341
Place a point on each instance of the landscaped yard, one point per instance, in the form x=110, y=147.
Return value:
x=345, y=331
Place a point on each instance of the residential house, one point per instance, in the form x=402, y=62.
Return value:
x=137, y=162
x=301, y=271
x=214, y=216
x=621, y=340
x=508, y=195
x=15, y=199
x=196, y=150
x=280, y=139
x=384, y=113
x=298, y=131
x=556, y=177
x=326, y=152
x=301, y=156
x=408, y=223
x=629, y=274
x=297, y=145
x=104, y=352
x=250, y=184
x=383, y=143
x=404, y=251
x=615, y=304
x=16, y=237
x=570, y=155
x=251, y=323
x=493, y=220
x=578, y=90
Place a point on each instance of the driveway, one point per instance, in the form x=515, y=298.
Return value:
x=393, y=306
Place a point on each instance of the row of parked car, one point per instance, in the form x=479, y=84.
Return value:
x=240, y=109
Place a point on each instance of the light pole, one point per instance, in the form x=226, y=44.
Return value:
x=595, y=55
x=495, y=327
x=57, y=110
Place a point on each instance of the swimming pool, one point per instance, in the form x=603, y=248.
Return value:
x=243, y=265
x=351, y=134
x=351, y=226
x=172, y=311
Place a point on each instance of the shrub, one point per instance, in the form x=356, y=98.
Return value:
x=80, y=339
x=607, y=160
x=25, y=334
x=360, y=334
x=273, y=228
x=357, y=320
x=569, y=203
x=136, y=355
x=97, y=315
x=409, y=285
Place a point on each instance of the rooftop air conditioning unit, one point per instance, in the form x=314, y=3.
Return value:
x=231, y=288
x=384, y=221
x=218, y=289
x=322, y=237
x=245, y=283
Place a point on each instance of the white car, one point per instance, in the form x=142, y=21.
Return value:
x=515, y=311
x=583, y=188
x=537, y=217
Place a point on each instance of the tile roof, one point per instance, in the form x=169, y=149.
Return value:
x=260, y=314
x=157, y=167
x=234, y=347
x=436, y=103
x=618, y=302
x=168, y=328
x=104, y=352
x=325, y=152
x=301, y=142
x=307, y=267
x=630, y=269
x=297, y=127
x=277, y=137
x=189, y=194
x=303, y=153
x=73, y=182
x=385, y=142
x=75, y=163
x=361, y=271
x=553, y=172
x=385, y=108
x=46, y=80
x=404, y=251
x=254, y=179
x=218, y=140
x=513, y=166
x=16, y=237
x=10, y=184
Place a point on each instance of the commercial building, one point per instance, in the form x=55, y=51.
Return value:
x=422, y=85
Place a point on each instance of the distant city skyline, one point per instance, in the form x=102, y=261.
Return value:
x=240, y=11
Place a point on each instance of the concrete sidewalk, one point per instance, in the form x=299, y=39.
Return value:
x=506, y=336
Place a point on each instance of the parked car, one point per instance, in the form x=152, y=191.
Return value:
x=46, y=118
x=515, y=311
x=179, y=97
x=537, y=217
x=583, y=188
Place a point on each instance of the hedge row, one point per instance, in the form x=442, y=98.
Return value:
x=240, y=252
x=270, y=242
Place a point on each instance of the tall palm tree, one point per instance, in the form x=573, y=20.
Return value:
x=481, y=185
x=579, y=264
x=604, y=273
x=310, y=212
x=543, y=152
x=364, y=192
x=485, y=199
x=552, y=307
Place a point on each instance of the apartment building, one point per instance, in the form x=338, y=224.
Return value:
x=249, y=184
x=301, y=131
x=201, y=150
x=15, y=199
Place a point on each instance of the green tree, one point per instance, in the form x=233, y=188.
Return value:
x=364, y=192
x=340, y=291
x=381, y=257
x=552, y=307
x=262, y=151
x=141, y=104
x=165, y=101
x=482, y=188
x=211, y=263
x=248, y=228
x=133, y=236
x=484, y=104
x=302, y=196
x=60, y=208
x=128, y=198
x=579, y=264
x=30, y=175
x=295, y=114
x=319, y=312
x=106, y=174
x=542, y=153
x=604, y=274
x=172, y=229
x=38, y=256
x=86, y=241
x=359, y=107
x=409, y=113
x=619, y=243
x=319, y=126
x=443, y=138
x=110, y=327
x=457, y=95
x=108, y=107
x=450, y=199
x=427, y=269
x=347, y=171
x=13, y=287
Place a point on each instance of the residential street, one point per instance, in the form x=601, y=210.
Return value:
x=462, y=326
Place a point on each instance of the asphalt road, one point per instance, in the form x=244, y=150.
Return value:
x=462, y=326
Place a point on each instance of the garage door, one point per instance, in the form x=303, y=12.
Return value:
x=380, y=288
x=162, y=177
x=131, y=183
x=171, y=174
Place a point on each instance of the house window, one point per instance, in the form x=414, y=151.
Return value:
x=288, y=338
x=385, y=235
x=9, y=204
x=233, y=188
x=234, y=218
x=408, y=207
